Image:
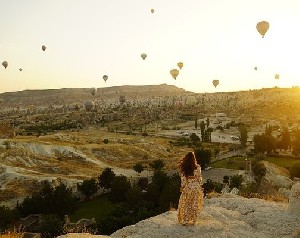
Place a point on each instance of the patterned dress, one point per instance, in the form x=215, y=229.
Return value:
x=191, y=198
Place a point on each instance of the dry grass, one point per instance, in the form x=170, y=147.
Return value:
x=213, y=194
x=272, y=198
x=12, y=234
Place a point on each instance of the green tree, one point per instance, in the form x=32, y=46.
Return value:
x=138, y=167
x=157, y=164
x=236, y=181
x=207, y=122
x=203, y=157
x=134, y=196
x=106, y=178
x=226, y=179
x=243, y=135
x=170, y=193
x=51, y=226
x=295, y=171
x=296, y=143
x=119, y=187
x=194, y=138
x=88, y=187
x=264, y=143
x=7, y=217
x=202, y=129
x=285, y=142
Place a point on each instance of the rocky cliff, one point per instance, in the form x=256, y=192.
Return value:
x=224, y=216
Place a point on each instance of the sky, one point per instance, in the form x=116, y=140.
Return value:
x=86, y=39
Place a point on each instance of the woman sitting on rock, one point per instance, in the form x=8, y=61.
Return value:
x=191, y=198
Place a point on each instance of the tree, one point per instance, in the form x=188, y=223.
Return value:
x=207, y=122
x=296, y=143
x=7, y=217
x=194, y=138
x=295, y=171
x=51, y=226
x=49, y=200
x=285, y=142
x=235, y=181
x=133, y=196
x=203, y=157
x=196, y=121
x=119, y=188
x=138, y=167
x=226, y=179
x=88, y=187
x=202, y=128
x=170, y=193
x=243, y=135
x=157, y=164
x=263, y=143
x=106, y=178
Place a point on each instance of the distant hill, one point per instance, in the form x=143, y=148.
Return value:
x=69, y=95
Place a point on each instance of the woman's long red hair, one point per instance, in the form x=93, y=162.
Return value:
x=188, y=164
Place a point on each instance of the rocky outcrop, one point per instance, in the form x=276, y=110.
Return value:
x=277, y=176
x=225, y=216
x=294, y=199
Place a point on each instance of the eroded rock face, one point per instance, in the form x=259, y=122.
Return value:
x=225, y=216
x=277, y=176
x=294, y=200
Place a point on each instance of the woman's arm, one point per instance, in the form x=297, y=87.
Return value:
x=183, y=182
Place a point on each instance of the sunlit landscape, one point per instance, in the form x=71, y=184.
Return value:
x=99, y=101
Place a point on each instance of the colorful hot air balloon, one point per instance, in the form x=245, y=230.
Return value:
x=180, y=65
x=152, y=11
x=215, y=82
x=276, y=76
x=5, y=64
x=174, y=73
x=89, y=105
x=93, y=91
x=262, y=27
x=105, y=77
x=144, y=56
x=44, y=48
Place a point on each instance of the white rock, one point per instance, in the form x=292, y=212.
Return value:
x=294, y=199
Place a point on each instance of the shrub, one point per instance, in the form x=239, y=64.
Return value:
x=295, y=171
x=236, y=181
x=105, y=141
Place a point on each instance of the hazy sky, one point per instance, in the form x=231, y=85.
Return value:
x=85, y=39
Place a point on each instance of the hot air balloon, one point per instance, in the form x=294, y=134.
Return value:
x=105, y=77
x=174, y=73
x=255, y=68
x=93, y=91
x=89, y=105
x=276, y=76
x=44, y=48
x=5, y=64
x=262, y=27
x=180, y=65
x=144, y=56
x=215, y=82
x=152, y=11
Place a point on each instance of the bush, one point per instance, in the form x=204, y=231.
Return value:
x=295, y=171
x=105, y=141
x=235, y=181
